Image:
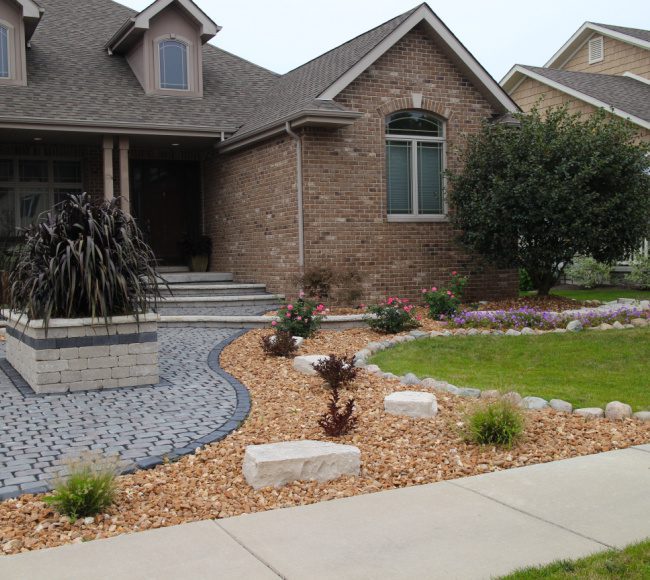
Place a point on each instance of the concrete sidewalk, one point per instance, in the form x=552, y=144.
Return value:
x=478, y=527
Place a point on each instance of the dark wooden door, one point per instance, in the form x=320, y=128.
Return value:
x=166, y=196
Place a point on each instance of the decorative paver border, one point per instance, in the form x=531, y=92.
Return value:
x=530, y=403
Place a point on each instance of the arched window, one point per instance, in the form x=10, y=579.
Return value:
x=173, y=65
x=415, y=159
x=4, y=52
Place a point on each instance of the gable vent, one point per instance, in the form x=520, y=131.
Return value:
x=596, y=50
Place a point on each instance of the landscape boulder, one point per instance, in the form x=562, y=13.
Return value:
x=411, y=404
x=305, y=364
x=617, y=411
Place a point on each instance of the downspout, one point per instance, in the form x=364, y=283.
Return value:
x=299, y=187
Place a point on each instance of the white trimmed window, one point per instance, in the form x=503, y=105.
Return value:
x=415, y=165
x=5, y=51
x=172, y=58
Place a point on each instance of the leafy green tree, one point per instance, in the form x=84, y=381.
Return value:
x=558, y=185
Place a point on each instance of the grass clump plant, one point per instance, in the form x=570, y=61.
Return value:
x=499, y=423
x=88, y=489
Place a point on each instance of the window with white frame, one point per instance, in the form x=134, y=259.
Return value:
x=31, y=186
x=415, y=163
x=5, y=73
x=172, y=55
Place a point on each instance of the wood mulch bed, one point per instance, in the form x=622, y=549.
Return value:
x=395, y=452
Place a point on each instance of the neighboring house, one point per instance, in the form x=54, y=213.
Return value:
x=340, y=161
x=600, y=66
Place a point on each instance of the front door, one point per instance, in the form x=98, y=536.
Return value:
x=166, y=203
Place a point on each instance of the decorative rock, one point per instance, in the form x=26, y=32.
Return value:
x=435, y=333
x=304, y=364
x=574, y=326
x=363, y=353
x=640, y=322
x=447, y=333
x=490, y=394
x=644, y=305
x=560, y=405
x=389, y=376
x=626, y=301
x=605, y=326
x=617, y=411
x=642, y=415
x=628, y=326
x=527, y=330
x=534, y=403
x=411, y=404
x=452, y=389
x=472, y=332
x=469, y=392
x=486, y=332
x=375, y=346
x=276, y=464
x=590, y=412
x=410, y=379
x=618, y=326
x=373, y=369
x=513, y=398
x=419, y=334
x=512, y=332
x=434, y=384
x=559, y=330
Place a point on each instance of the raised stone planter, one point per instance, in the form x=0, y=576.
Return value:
x=411, y=404
x=80, y=354
x=276, y=464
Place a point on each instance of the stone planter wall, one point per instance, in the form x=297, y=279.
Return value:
x=81, y=354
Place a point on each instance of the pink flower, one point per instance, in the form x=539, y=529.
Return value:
x=302, y=294
x=290, y=307
x=454, y=273
x=274, y=323
x=299, y=317
x=389, y=301
x=434, y=289
x=419, y=317
x=406, y=300
x=448, y=293
x=320, y=307
x=288, y=314
x=424, y=290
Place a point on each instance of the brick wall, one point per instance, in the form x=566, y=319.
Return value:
x=619, y=57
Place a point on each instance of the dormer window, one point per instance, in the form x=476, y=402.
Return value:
x=173, y=65
x=4, y=52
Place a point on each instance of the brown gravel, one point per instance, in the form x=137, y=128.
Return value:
x=396, y=452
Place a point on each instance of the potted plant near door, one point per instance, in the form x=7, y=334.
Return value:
x=82, y=298
x=196, y=251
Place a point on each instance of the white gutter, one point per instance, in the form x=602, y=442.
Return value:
x=301, y=225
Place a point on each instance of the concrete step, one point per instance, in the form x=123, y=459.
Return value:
x=216, y=289
x=197, y=277
x=172, y=269
x=245, y=305
x=234, y=321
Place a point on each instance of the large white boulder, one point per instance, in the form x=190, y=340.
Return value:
x=276, y=464
x=411, y=404
x=617, y=411
x=305, y=364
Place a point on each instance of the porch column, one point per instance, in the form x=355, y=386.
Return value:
x=124, y=174
x=108, y=167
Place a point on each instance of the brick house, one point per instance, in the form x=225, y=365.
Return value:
x=600, y=66
x=340, y=161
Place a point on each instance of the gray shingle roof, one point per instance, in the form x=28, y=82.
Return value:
x=624, y=93
x=71, y=77
x=297, y=90
x=634, y=32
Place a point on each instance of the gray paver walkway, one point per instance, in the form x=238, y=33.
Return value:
x=477, y=527
x=140, y=424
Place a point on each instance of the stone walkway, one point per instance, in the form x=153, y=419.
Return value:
x=195, y=403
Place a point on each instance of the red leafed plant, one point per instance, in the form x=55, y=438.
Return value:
x=336, y=371
x=338, y=421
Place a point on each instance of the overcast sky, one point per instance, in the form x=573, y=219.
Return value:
x=283, y=34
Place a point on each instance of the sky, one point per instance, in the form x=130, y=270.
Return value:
x=283, y=34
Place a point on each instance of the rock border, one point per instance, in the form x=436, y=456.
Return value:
x=614, y=410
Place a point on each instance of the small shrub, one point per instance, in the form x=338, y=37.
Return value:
x=445, y=302
x=640, y=272
x=336, y=371
x=338, y=422
x=499, y=423
x=525, y=283
x=330, y=282
x=393, y=316
x=279, y=344
x=349, y=288
x=88, y=489
x=300, y=318
x=588, y=272
x=317, y=281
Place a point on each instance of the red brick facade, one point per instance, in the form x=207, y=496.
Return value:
x=251, y=209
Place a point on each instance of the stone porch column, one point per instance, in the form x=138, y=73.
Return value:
x=108, y=167
x=124, y=174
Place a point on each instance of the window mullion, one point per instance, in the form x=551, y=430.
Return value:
x=414, y=176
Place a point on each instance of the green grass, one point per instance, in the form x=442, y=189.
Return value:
x=602, y=294
x=632, y=563
x=588, y=369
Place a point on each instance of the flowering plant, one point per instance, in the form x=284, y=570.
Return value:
x=445, y=302
x=392, y=316
x=300, y=318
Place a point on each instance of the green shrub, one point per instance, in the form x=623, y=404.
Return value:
x=499, y=423
x=443, y=302
x=588, y=272
x=299, y=318
x=83, y=260
x=88, y=489
x=525, y=283
x=640, y=272
x=392, y=316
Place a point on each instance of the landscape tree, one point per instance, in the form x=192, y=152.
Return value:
x=557, y=185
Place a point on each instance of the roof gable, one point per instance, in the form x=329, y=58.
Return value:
x=633, y=36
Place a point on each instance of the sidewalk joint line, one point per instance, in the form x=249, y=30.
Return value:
x=258, y=558
x=641, y=450
x=541, y=519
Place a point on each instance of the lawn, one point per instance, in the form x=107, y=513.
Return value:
x=588, y=369
x=632, y=563
x=606, y=294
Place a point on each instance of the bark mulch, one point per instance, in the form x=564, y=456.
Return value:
x=395, y=452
